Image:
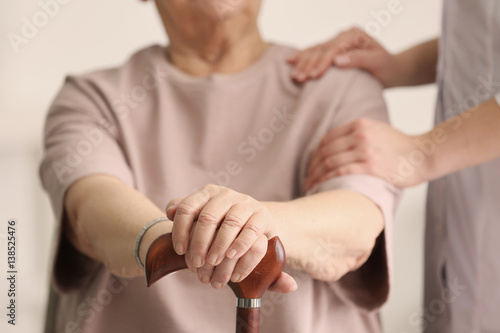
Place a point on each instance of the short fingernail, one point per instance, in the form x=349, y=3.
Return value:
x=295, y=287
x=217, y=285
x=197, y=261
x=179, y=248
x=231, y=254
x=212, y=259
x=205, y=279
x=236, y=277
x=342, y=60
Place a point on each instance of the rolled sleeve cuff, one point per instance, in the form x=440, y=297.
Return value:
x=368, y=287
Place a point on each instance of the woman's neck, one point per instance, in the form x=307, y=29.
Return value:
x=218, y=50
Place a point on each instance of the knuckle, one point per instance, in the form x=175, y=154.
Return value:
x=258, y=249
x=196, y=249
x=184, y=208
x=255, y=230
x=331, y=162
x=207, y=219
x=222, y=277
x=242, y=243
x=209, y=188
x=218, y=247
x=361, y=135
x=342, y=171
x=328, y=163
x=245, y=199
x=245, y=268
x=233, y=221
x=324, y=153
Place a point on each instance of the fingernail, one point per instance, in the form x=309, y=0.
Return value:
x=212, y=259
x=217, y=285
x=197, y=261
x=205, y=279
x=295, y=287
x=231, y=253
x=342, y=60
x=179, y=248
x=236, y=277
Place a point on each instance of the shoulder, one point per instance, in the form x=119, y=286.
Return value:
x=335, y=83
x=341, y=83
x=142, y=70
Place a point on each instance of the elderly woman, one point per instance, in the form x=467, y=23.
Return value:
x=215, y=106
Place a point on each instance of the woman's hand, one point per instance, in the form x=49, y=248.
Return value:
x=349, y=49
x=371, y=147
x=223, y=235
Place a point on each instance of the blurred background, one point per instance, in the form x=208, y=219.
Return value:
x=77, y=36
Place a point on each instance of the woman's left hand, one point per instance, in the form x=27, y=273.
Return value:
x=223, y=235
x=371, y=147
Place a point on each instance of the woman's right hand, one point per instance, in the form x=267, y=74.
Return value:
x=350, y=49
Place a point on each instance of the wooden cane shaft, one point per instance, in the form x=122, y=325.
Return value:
x=247, y=320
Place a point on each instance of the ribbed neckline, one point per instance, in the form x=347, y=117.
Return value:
x=218, y=79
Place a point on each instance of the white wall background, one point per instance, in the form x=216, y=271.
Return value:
x=88, y=34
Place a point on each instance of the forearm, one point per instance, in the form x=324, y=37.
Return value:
x=104, y=217
x=418, y=64
x=466, y=140
x=328, y=234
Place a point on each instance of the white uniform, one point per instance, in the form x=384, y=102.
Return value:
x=462, y=281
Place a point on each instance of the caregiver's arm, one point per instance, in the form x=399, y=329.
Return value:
x=417, y=65
x=375, y=148
x=356, y=49
x=466, y=140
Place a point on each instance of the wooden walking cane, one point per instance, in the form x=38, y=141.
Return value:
x=162, y=260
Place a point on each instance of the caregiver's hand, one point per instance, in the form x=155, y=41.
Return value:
x=223, y=235
x=366, y=146
x=349, y=49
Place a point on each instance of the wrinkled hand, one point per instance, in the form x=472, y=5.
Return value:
x=349, y=49
x=223, y=234
x=371, y=147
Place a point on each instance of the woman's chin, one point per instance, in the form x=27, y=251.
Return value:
x=220, y=9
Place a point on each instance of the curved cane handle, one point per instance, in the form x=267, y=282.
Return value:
x=161, y=260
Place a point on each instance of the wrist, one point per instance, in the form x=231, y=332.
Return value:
x=283, y=225
x=402, y=69
x=427, y=146
x=151, y=234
